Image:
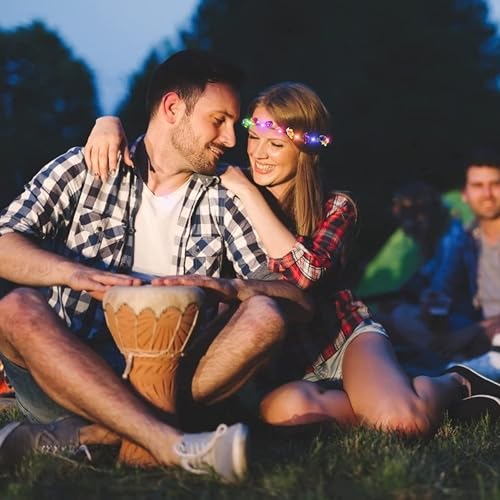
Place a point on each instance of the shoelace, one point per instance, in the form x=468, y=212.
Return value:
x=83, y=448
x=52, y=446
x=192, y=453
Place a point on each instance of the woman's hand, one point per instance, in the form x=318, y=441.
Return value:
x=106, y=146
x=237, y=181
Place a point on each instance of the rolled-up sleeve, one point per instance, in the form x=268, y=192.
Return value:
x=310, y=258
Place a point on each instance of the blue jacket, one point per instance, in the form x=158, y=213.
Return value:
x=456, y=275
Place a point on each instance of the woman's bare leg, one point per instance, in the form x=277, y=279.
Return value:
x=303, y=402
x=377, y=393
x=383, y=396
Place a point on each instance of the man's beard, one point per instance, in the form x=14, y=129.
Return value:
x=199, y=158
x=491, y=214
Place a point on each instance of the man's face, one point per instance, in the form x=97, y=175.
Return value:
x=482, y=191
x=203, y=136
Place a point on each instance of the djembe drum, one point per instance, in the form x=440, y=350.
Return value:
x=151, y=326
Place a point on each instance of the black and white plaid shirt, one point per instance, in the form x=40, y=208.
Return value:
x=74, y=214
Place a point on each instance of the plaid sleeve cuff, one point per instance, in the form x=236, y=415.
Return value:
x=280, y=264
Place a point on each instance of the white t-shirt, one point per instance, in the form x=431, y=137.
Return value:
x=155, y=227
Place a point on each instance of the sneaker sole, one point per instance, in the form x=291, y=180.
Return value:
x=476, y=407
x=479, y=383
x=5, y=431
x=7, y=460
x=239, y=451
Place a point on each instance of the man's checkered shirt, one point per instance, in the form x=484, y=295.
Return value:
x=72, y=213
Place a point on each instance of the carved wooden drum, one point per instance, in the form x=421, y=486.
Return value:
x=151, y=326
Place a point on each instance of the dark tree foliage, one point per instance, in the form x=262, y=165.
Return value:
x=48, y=103
x=132, y=110
x=411, y=85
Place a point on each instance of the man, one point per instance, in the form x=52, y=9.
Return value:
x=473, y=267
x=426, y=222
x=445, y=318
x=422, y=215
x=70, y=232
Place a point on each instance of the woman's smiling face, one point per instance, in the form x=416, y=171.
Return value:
x=273, y=155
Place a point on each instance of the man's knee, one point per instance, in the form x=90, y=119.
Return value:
x=22, y=299
x=20, y=308
x=267, y=323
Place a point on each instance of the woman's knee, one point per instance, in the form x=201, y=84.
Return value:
x=408, y=418
x=381, y=394
x=289, y=403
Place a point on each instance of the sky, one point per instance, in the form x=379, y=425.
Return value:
x=114, y=36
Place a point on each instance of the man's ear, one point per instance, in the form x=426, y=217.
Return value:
x=172, y=106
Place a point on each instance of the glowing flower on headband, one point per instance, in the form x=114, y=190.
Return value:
x=308, y=138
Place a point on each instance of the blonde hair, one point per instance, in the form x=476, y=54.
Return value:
x=297, y=106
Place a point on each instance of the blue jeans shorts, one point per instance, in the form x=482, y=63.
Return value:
x=31, y=399
x=34, y=402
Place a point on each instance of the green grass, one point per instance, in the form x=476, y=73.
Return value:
x=459, y=462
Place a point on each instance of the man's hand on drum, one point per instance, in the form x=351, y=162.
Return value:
x=94, y=281
x=223, y=290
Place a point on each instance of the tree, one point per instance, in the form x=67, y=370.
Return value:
x=412, y=86
x=48, y=102
x=132, y=110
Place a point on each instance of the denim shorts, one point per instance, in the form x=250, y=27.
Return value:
x=331, y=369
x=31, y=399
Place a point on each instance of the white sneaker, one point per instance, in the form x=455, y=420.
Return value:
x=223, y=452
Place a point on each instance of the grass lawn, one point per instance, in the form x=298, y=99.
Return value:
x=459, y=462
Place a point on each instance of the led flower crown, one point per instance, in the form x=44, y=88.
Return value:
x=307, y=138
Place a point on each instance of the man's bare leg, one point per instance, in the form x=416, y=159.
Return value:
x=239, y=349
x=71, y=374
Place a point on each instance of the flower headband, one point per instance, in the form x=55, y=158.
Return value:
x=308, y=138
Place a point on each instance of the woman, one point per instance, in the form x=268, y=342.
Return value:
x=286, y=134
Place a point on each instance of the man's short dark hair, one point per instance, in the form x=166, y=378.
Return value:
x=187, y=73
x=488, y=156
